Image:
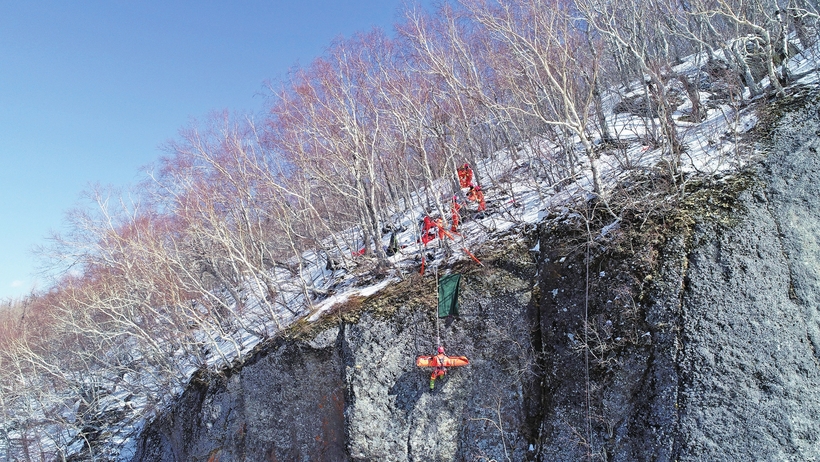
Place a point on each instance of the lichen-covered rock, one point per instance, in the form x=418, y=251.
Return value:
x=353, y=391
x=287, y=403
x=750, y=369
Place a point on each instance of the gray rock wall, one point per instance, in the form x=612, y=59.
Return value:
x=721, y=363
x=750, y=370
x=354, y=393
x=286, y=404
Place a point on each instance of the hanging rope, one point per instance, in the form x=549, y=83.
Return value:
x=586, y=343
x=438, y=331
x=586, y=357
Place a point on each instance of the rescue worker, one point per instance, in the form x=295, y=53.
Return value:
x=393, y=246
x=438, y=370
x=465, y=176
x=454, y=209
x=475, y=194
x=428, y=230
x=440, y=363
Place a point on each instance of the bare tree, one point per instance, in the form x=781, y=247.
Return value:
x=540, y=65
x=328, y=124
x=627, y=27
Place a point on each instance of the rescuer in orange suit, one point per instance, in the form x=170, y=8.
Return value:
x=477, y=195
x=440, y=362
x=465, y=176
x=428, y=230
x=438, y=370
x=440, y=225
x=456, y=215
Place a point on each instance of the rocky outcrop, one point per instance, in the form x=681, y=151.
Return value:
x=710, y=351
x=285, y=404
x=750, y=323
x=349, y=389
x=690, y=334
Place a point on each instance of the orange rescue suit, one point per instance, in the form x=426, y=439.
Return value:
x=440, y=363
x=465, y=176
x=477, y=195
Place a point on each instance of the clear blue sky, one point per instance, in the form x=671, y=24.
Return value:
x=89, y=90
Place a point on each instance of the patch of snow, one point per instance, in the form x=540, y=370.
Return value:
x=327, y=305
x=611, y=227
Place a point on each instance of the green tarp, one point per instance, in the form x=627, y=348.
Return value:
x=448, y=295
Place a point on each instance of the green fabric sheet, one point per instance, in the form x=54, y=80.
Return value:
x=448, y=295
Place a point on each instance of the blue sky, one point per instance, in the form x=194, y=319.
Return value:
x=89, y=90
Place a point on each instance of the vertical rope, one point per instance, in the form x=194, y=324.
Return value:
x=586, y=350
x=438, y=331
x=586, y=359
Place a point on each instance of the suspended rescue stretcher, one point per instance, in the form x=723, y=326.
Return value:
x=440, y=363
x=447, y=291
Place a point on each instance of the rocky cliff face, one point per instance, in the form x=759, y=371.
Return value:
x=749, y=368
x=684, y=335
x=349, y=388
